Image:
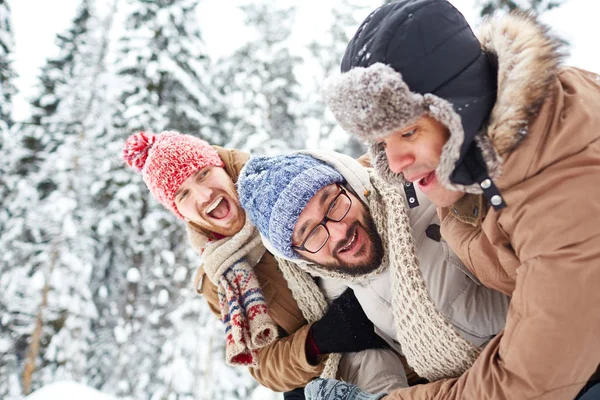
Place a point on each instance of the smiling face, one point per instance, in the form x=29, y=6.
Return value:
x=209, y=199
x=415, y=151
x=353, y=247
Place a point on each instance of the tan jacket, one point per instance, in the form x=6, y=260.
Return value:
x=544, y=248
x=282, y=365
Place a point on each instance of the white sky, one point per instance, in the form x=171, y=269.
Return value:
x=36, y=22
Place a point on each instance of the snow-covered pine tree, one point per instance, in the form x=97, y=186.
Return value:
x=327, y=51
x=489, y=7
x=7, y=73
x=143, y=262
x=7, y=91
x=260, y=85
x=49, y=253
x=166, y=72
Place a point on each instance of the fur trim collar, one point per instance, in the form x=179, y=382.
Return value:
x=528, y=58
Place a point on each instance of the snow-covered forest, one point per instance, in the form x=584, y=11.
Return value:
x=94, y=274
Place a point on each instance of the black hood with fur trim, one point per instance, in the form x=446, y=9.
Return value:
x=469, y=84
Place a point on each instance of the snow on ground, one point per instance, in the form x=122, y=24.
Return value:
x=262, y=393
x=68, y=391
x=75, y=391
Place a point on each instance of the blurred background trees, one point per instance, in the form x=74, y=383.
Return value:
x=94, y=274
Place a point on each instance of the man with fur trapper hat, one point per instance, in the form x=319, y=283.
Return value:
x=325, y=214
x=505, y=141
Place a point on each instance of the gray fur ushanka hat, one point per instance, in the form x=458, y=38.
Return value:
x=413, y=58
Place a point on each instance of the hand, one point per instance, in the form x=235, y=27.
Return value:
x=330, y=389
x=345, y=328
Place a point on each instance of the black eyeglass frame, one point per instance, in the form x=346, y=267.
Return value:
x=324, y=221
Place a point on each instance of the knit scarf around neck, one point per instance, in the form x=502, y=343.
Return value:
x=430, y=344
x=229, y=264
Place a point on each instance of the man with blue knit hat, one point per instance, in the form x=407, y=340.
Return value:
x=505, y=141
x=293, y=182
x=324, y=214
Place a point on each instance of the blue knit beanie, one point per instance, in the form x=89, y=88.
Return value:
x=275, y=190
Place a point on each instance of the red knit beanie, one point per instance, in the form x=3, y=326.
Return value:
x=167, y=160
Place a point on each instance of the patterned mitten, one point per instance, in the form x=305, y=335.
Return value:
x=248, y=326
x=330, y=389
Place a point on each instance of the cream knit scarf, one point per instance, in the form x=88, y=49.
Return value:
x=430, y=344
x=229, y=263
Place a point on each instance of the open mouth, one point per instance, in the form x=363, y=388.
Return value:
x=351, y=243
x=219, y=208
x=426, y=181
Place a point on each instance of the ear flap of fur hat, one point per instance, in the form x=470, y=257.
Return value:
x=372, y=102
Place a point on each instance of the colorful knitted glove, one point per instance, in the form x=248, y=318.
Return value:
x=345, y=328
x=330, y=389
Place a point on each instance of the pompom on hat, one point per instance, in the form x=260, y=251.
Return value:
x=167, y=160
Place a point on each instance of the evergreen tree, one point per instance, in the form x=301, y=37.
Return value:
x=143, y=262
x=7, y=74
x=7, y=90
x=46, y=303
x=489, y=7
x=328, y=51
x=260, y=86
x=165, y=71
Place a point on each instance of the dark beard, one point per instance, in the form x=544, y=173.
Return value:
x=364, y=267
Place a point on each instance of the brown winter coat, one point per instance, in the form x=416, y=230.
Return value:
x=282, y=365
x=544, y=248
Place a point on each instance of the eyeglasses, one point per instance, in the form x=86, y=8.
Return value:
x=318, y=236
